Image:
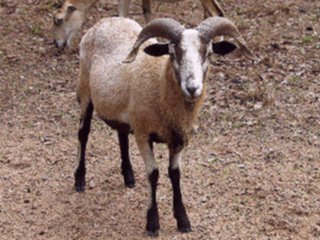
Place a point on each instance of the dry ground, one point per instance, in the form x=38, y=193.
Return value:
x=252, y=170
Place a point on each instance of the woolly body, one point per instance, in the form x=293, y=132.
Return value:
x=144, y=94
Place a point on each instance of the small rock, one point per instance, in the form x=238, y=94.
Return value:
x=204, y=199
x=302, y=10
x=42, y=50
x=258, y=106
x=92, y=184
x=309, y=28
x=241, y=166
x=275, y=46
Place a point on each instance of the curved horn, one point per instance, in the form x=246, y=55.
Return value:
x=219, y=26
x=162, y=27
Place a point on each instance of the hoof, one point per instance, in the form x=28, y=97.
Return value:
x=152, y=234
x=184, y=225
x=153, y=225
x=80, y=188
x=184, y=229
x=130, y=184
x=129, y=180
x=79, y=180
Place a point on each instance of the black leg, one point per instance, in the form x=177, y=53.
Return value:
x=126, y=167
x=153, y=225
x=179, y=210
x=83, y=133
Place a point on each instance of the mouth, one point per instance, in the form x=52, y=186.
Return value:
x=191, y=99
x=192, y=96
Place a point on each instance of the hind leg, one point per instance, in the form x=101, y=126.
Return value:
x=146, y=8
x=212, y=8
x=126, y=168
x=83, y=133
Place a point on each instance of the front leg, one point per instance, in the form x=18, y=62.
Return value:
x=145, y=147
x=179, y=210
x=123, y=8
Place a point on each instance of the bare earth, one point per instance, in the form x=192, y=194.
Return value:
x=251, y=171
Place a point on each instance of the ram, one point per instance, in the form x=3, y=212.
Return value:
x=70, y=15
x=155, y=94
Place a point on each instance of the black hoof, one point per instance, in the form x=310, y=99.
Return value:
x=152, y=234
x=80, y=182
x=153, y=225
x=184, y=229
x=183, y=223
x=129, y=180
x=130, y=184
x=80, y=188
x=153, y=228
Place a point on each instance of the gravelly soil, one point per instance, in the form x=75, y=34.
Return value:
x=252, y=170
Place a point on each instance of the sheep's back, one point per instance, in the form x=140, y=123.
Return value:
x=110, y=36
x=119, y=90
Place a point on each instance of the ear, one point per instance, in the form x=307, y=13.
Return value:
x=157, y=49
x=71, y=9
x=223, y=48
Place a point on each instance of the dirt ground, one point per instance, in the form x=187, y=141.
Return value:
x=251, y=171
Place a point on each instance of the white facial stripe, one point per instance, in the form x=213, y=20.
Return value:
x=191, y=67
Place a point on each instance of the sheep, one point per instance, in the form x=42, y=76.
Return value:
x=70, y=15
x=155, y=94
x=68, y=19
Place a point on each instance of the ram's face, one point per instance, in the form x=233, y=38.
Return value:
x=190, y=61
x=66, y=22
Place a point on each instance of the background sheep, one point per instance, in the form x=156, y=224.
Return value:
x=211, y=8
x=70, y=15
x=156, y=97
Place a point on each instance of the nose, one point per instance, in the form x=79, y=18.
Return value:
x=192, y=90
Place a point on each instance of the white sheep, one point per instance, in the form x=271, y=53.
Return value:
x=70, y=15
x=155, y=94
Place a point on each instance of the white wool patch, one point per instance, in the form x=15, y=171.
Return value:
x=191, y=67
x=150, y=164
